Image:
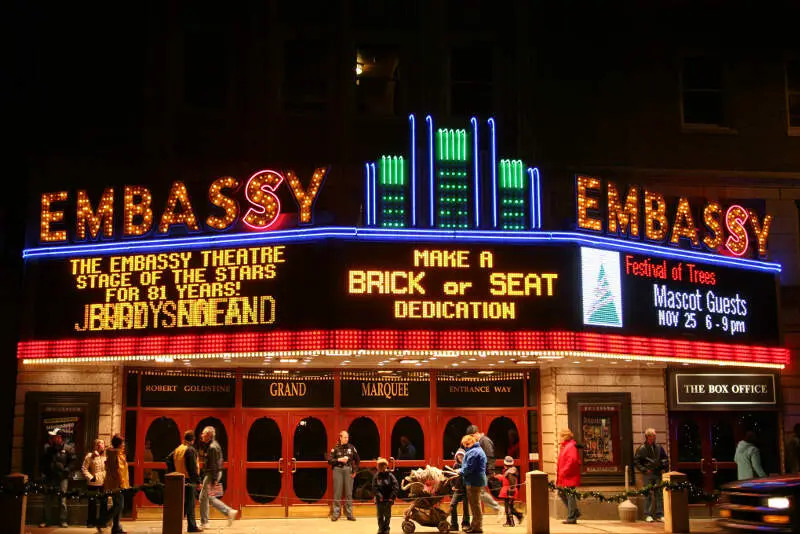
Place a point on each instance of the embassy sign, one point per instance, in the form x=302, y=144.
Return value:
x=714, y=391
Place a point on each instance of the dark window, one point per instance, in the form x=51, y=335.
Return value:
x=305, y=81
x=793, y=92
x=408, y=439
x=365, y=437
x=377, y=75
x=310, y=440
x=205, y=69
x=703, y=95
x=263, y=485
x=505, y=436
x=471, y=75
x=132, y=389
x=310, y=484
x=161, y=439
x=222, y=436
x=130, y=435
x=154, y=476
x=264, y=441
x=453, y=432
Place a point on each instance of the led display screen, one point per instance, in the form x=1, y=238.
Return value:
x=357, y=285
x=656, y=297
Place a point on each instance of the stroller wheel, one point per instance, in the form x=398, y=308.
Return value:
x=443, y=526
x=408, y=527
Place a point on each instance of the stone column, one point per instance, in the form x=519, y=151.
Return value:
x=538, y=503
x=676, y=505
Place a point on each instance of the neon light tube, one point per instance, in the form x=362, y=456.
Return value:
x=476, y=171
x=413, y=128
x=493, y=162
x=429, y=121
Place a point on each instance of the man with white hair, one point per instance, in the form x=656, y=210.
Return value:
x=212, y=475
x=651, y=460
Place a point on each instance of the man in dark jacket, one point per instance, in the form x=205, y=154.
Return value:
x=385, y=488
x=185, y=460
x=56, y=467
x=212, y=477
x=487, y=445
x=651, y=460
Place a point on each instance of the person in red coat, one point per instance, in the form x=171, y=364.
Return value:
x=510, y=481
x=568, y=474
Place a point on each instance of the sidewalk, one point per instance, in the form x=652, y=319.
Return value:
x=369, y=526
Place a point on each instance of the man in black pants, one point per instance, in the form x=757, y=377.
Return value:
x=488, y=449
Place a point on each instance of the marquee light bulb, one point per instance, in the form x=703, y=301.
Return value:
x=100, y=222
x=50, y=217
x=178, y=197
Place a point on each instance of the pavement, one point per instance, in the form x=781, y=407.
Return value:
x=369, y=526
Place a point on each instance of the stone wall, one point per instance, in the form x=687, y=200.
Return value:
x=105, y=379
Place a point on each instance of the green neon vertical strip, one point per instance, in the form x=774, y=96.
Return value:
x=382, y=169
x=439, y=143
x=396, y=178
x=402, y=177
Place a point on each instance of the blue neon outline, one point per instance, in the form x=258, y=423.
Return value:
x=368, y=196
x=493, y=151
x=429, y=121
x=388, y=234
x=413, y=127
x=374, y=195
x=474, y=122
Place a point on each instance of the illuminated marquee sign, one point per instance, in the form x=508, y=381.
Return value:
x=252, y=206
x=662, y=297
x=643, y=214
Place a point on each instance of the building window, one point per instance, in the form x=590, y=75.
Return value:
x=793, y=92
x=377, y=76
x=305, y=81
x=205, y=70
x=703, y=95
x=471, y=75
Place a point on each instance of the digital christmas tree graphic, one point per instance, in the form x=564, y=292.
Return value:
x=602, y=310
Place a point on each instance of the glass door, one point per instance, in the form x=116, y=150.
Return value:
x=223, y=424
x=311, y=437
x=367, y=433
x=407, y=446
x=264, y=462
x=163, y=432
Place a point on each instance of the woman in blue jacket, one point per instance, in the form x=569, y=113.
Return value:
x=473, y=471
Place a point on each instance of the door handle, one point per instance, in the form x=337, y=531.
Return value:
x=294, y=465
x=280, y=465
x=702, y=460
x=714, y=467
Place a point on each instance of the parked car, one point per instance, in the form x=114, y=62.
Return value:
x=761, y=504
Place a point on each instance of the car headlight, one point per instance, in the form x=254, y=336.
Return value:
x=779, y=503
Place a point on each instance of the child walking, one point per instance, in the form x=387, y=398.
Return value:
x=385, y=488
x=510, y=479
x=459, y=495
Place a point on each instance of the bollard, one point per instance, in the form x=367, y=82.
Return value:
x=12, y=508
x=676, y=505
x=172, y=518
x=537, y=503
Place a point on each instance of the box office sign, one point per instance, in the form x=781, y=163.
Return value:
x=181, y=391
x=385, y=390
x=474, y=390
x=710, y=391
x=292, y=391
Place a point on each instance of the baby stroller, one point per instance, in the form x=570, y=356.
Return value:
x=427, y=487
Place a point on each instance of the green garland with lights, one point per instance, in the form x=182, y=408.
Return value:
x=43, y=488
x=693, y=490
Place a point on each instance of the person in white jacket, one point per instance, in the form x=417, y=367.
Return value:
x=94, y=471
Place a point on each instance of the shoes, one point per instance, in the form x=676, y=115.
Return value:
x=454, y=527
x=334, y=518
x=64, y=525
x=649, y=519
x=231, y=516
x=659, y=519
x=351, y=518
x=43, y=525
x=198, y=529
x=570, y=521
x=464, y=528
x=508, y=524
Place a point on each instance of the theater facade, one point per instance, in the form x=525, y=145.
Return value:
x=155, y=308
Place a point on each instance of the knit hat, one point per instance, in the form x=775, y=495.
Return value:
x=459, y=452
x=508, y=460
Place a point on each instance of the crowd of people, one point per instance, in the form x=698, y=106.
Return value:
x=106, y=472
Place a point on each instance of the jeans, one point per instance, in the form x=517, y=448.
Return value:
x=53, y=501
x=96, y=508
x=488, y=500
x=115, y=512
x=653, y=501
x=511, y=511
x=342, y=482
x=459, y=496
x=384, y=515
x=571, y=502
x=474, y=498
x=206, y=499
x=189, y=498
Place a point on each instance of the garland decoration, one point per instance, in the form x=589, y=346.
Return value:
x=693, y=490
x=76, y=494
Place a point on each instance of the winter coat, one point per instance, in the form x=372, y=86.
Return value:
x=57, y=463
x=474, y=467
x=214, y=460
x=339, y=451
x=509, y=478
x=651, y=459
x=116, y=470
x=569, y=465
x=487, y=445
x=748, y=461
x=94, y=468
x=385, y=486
x=457, y=484
x=793, y=454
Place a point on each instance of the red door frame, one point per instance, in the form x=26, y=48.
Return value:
x=281, y=419
x=328, y=418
